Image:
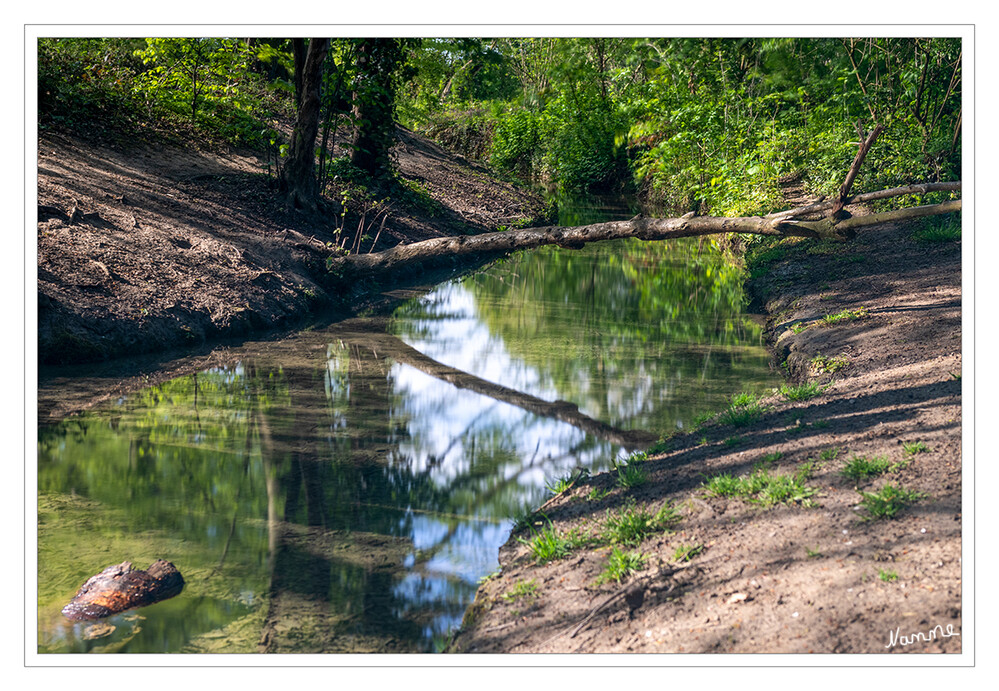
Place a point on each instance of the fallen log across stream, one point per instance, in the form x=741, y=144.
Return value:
x=792, y=222
x=388, y=345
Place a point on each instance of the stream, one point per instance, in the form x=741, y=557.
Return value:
x=345, y=489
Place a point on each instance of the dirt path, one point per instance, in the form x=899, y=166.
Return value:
x=815, y=574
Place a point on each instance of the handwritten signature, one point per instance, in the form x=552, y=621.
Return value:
x=897, y=638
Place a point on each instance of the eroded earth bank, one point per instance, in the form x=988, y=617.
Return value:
x=764, y=530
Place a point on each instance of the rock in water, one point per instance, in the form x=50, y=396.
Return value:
x=120, y=587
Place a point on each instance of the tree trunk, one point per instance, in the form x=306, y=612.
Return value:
x=373, y=106
x=298, y=177
x=420, y=255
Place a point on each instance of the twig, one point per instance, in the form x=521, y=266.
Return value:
x=378, y=234
x=642, y=583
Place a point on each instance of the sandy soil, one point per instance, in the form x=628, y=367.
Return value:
x=789, y=578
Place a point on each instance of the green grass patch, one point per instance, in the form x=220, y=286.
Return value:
x=939, y=229
x=620, y=565
x=829, y=454
x=829, y=365
x=561, y=484
x=522, y=590
x=803, y=392
x=888, y=501
x=632, y=524
x=887, y=576
x=845, y=316
x=914, y=447
x=631, y=475
x=860, y=467
x=813, y=553
x=743, y=410
x=548, y=545
x=732, y=441
x=764, y=487
x=596, y=494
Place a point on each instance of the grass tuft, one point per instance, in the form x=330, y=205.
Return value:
x=845, y=316
x=632, y=524
x=764, y=487
x=860, y=467
x=888, y=501
x=547, y=545
x=620, y=565
x=631, y=475
x=938, y=230
x=912, y=448
x=803, y=392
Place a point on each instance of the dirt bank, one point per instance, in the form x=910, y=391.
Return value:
x=814, y=571
x=144, y=247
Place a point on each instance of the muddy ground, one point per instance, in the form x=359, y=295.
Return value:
x=817, y=574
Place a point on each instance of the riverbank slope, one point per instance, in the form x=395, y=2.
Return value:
x=150, y=245
x=765, y=530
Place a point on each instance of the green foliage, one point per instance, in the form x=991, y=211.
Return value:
x=211, y=81
x=631, y=475
x=861, y=467
x=214, y=84
x=84, y=83
x=915, y=447
x=743, y=410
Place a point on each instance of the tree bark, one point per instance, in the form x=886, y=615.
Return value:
x=421, y=255
x=298, y=176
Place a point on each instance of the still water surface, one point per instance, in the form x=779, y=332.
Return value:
x=345, y=490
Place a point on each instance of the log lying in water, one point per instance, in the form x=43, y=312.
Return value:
x=420, y=255
x=120, y=587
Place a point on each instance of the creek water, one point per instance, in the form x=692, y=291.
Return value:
x=345, y=489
